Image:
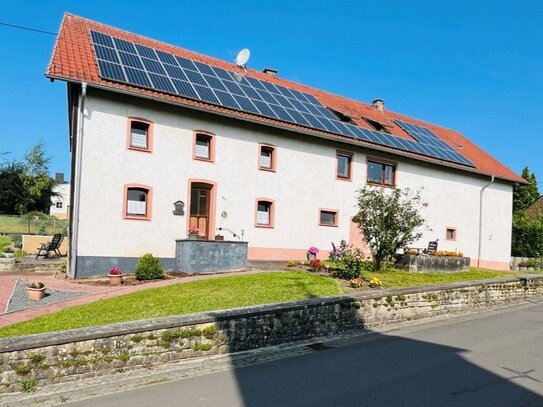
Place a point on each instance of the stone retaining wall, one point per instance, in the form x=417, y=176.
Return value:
x=31, y=361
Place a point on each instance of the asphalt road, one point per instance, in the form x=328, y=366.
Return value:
x=491, y=359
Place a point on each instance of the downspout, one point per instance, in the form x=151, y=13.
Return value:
x=77, y=179
x=481, y=220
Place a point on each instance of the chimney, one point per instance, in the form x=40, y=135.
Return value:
x=59, y=177
x=270, y=71
x=379, y=104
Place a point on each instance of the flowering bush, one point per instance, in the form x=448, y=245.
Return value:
x=316, y=265
x=445, y=253
x=313, y=250
x=115, y=272
x=375, y=282
x=193, y=230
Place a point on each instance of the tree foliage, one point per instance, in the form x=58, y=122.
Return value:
x=525, y=194
x=388, y=220
x=527, y=238
x=26, y=186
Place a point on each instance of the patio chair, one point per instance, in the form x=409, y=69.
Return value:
x=52, y=246
x=432, y=247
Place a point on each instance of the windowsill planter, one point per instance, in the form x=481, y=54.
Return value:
x=194, y=237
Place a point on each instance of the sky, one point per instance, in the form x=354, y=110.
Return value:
x=473, y=66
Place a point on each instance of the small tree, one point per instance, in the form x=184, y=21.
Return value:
x=388, y=220
x=525, y=194
x=149, y=268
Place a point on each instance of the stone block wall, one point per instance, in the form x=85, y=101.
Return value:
x=70, y=355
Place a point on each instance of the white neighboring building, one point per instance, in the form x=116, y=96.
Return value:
x=61, y=202
x=284, y=187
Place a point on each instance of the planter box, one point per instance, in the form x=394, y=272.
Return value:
x=432, y=264
x=209, y=256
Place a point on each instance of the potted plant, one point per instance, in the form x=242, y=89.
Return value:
x=312, y=253
x=194, y=232
x=115, y=276
x=36, y=291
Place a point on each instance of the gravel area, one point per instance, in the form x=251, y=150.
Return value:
x=19, y=297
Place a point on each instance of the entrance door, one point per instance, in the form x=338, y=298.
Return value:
x=200, y=199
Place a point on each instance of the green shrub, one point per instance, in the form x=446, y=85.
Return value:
x=531, y=263
x=36, y=357
x=19, y=254
x=202, y=346
x=149, y=268
x=209, y=332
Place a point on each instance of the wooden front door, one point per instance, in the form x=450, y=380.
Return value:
x=200, y=198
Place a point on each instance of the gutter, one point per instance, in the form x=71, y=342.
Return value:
x=76, y=177
x=481, y=219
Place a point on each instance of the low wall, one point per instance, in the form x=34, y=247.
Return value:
x=31, y=243
x=204, y=256
x=71, y=355
x=432, y=264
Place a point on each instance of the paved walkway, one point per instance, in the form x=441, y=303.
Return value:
x=95, y=293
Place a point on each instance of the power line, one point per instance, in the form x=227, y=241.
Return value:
x=27, y=28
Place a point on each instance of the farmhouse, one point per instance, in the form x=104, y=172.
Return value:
x=247, y=155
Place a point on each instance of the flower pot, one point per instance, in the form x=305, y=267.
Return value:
x=193, y=237
x=311, y=256
x=115, y=279
x=35, y=294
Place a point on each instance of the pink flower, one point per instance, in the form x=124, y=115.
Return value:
x=193, y=230
x=313, y=250
x=116, y=272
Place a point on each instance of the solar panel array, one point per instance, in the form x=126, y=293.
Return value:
x=134, y=64
x=431, y=141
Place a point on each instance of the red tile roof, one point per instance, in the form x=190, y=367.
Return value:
x=73, y=61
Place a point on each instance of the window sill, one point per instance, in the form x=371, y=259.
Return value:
x=141, y=150
x=206, y=160
x=347, y=179
x=377, y=184
x=328, y=225
x=134, y=217
x=267, y=169
x=264, y=226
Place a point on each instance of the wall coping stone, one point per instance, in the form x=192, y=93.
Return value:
x=134, y=327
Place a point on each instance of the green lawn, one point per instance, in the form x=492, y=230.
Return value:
x=4, y=241
x=397, y=278
x=184, y=298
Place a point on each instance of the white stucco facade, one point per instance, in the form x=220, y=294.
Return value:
x=304, y=182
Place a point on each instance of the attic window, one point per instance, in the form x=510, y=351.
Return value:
x=377, y=126
x=342, y=116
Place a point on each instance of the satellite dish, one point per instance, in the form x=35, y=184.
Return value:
x=242, y=57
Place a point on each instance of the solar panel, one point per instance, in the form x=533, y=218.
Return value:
x=134, y=64
x=434, y=144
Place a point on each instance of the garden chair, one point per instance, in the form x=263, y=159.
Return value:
x=52, y=246
x=432, y=247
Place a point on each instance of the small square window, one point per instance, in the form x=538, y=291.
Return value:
x=203, y=147
x=343, y=170
x=138, y=202
x=328, y=217
x=140, y=135
x=264, y=213
x=451, y=234
x=267, y=158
